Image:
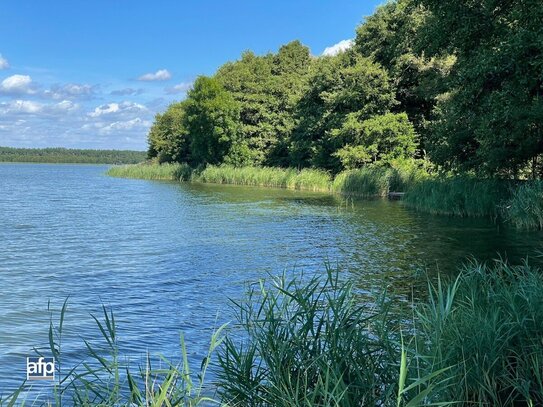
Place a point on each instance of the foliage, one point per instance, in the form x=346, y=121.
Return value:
x=168, y=138
x=459, y=196
x=340, y=87
x=490, y=121
x=211, y=119
x=378, y=139
x=525, y=208
x=267, y=89
x=485, y=328
x=389, y=37
x=67, y=155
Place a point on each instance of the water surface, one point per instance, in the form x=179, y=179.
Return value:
x=166, y=257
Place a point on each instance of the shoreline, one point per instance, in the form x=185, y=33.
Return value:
x=519, y=203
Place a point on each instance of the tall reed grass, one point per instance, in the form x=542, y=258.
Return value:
x=525, y=207
x=306, y=179
x=166, y=172
x=313, y=341
x=458, y=196
x=486, y=329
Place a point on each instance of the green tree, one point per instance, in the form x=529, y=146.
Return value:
x=212, y=120
x=491, y=120
x=168, y=138
x=267, y=89
x=389, y=36
x=338, y=86
x=379, y=139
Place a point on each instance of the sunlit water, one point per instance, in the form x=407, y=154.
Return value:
x=167, y=257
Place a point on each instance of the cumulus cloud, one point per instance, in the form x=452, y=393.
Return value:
x=17, y=85
x=4, y=64
x=122, y=108
x=33, y=107
x=179, y=88
x=124, y=126
x=127, y=92
x=71, y=91
x=160, y=75
x=335, y=49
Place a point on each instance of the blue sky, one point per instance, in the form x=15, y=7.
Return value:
x=93, y=74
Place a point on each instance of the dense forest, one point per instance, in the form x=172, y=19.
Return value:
x=66, y=155
x=454, y=86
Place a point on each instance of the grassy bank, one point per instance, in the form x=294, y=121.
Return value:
x=459, y=196
x=165, y=172
x=302, y=341
x=518, y=203
x=306, y=179
x=372, y=182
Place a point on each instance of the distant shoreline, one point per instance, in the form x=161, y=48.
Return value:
x=60, y=155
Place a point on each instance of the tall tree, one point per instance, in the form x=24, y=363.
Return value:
x=168, y=138
x=212, y=120
x=338, y=86
x=492, y=119
x=267, y=89
x=389, y=36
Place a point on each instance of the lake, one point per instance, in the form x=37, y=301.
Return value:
x=167, y=256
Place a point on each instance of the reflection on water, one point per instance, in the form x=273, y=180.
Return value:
x=167, y=256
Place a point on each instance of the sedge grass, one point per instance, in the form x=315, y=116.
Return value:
x=165, y=172
x=306, y=179
x=311, y=341
x=458, y=196
x=525, y=207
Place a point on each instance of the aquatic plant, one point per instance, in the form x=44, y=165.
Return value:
x=458, y=196
x=525, y=207
x=167, y=172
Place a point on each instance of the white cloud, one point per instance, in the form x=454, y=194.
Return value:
x=32, y=107
x=4, y=64
x=179, y=88
x=71, y=91
x=17, y=84
x=338, y=48
x=118, y=109
x=160, y=75
x=124, y=126
x=127, y=92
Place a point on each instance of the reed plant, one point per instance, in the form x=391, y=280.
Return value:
x=166, y=172
x=485, y=327
x=313, y=342
x=306, y=179
x=525, y=207
x=105, y=378
x=458, y=196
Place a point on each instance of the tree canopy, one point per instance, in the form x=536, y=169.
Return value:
x=457, y=83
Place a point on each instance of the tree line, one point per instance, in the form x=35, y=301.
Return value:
x=66, y=155
x=458, y=84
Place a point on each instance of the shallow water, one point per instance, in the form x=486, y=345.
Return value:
x=166, y=257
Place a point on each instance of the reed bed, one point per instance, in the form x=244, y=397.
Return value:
x=518, y=203
x=313, y=341
x=525, y=207
x=458, y=196
x=306, y=179
x=166, y=172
